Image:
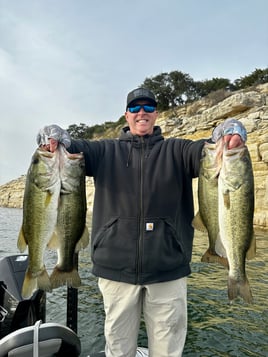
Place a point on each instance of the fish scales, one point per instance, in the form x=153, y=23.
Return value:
x=72, y=234
x=40, y=205
x=206, y=219
x=236, y=210
x=54, y=215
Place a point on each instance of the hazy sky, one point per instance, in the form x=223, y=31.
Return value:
x=74, y=61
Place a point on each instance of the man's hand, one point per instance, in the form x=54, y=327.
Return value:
x=49, y=137
x=233, y=141
x=232, y=131
x=51, y=146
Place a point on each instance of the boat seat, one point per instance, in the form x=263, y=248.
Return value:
x=41, y=340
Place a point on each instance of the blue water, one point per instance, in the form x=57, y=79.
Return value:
x=215, y=328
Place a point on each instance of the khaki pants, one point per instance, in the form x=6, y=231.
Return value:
x=164, y=307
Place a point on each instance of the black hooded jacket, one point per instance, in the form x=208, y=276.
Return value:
x=143, y=205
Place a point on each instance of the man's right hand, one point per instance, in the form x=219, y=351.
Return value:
x=50, y=135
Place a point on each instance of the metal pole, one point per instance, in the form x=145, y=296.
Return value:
x=72, y=303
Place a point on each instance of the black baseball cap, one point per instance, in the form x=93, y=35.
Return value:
x=140, y=93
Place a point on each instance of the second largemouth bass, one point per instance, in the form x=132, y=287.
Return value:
x=236, y=210
x=71, y=231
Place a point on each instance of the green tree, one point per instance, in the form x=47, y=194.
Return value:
x=177, y=88
x=174, y=89
x=171, y=89
x=81, y=131
x=159, y=85
x=203, y=88
x=258, y=76
x=183, y=87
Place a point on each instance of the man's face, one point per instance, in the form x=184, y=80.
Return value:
x=141, y=123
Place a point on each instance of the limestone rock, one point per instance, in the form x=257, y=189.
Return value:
x=197, y=121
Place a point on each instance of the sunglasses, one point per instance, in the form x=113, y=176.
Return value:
x=146, y=108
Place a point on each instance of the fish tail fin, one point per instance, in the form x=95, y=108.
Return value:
x=32, y=282
x=83, y=241
x=239, y=288
x=21, y=243
x=29, y=285
x=70, y=278
x=43, y=281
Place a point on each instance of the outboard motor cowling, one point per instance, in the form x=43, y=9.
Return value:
x=16, y=312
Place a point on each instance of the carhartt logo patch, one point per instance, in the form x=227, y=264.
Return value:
x=149, y=226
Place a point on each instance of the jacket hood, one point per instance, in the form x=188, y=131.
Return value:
x=126, y=135
x=136, y=140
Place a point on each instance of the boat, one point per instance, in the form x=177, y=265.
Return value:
x=24, y=331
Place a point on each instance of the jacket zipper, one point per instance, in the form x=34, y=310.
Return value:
x=141, y=218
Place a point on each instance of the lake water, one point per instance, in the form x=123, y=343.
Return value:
x=215, y=328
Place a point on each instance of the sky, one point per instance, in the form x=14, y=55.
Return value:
x=74, y=61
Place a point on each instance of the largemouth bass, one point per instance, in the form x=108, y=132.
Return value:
x=207, y=219
x=40, y=206
x=236, y=210
x=72, y=233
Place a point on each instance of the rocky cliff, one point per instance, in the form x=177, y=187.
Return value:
x=197, y=121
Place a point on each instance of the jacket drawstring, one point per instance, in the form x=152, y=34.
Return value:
x=130, y=151
x=147, y=150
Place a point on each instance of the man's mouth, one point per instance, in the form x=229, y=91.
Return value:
x=141, y=121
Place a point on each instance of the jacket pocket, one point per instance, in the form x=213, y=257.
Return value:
x=162, y=248
x=115, y=244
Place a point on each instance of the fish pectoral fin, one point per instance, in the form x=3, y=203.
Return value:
x=83, y=241
x=48, y=198
x=21, y=243
x=209, y=257
x=226, y=199
x=54, y=242
x=251, y=252
x=198, y=223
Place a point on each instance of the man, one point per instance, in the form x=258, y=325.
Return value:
x=142, y=234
